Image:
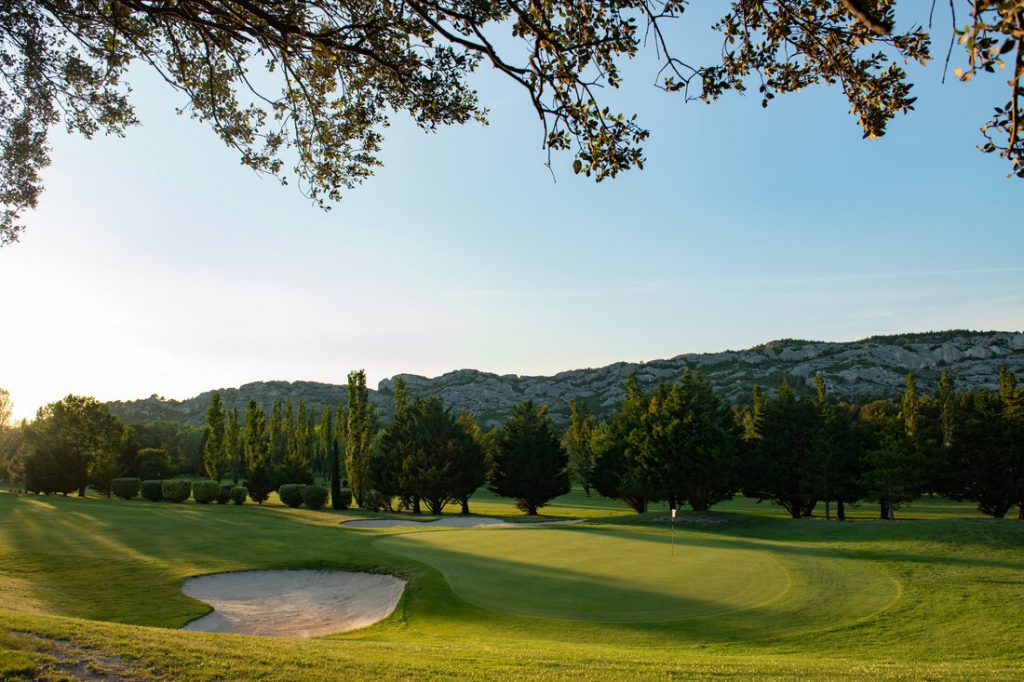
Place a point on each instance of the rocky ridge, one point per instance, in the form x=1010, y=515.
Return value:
x=863, y=370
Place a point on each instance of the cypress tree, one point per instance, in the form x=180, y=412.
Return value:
x=334, y=471
x=326, y=438
x=233, y=447
x=215, y=459
x=257, y=454
x=278, y=437
x=359, y=438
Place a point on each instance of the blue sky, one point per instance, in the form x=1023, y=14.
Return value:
x=157, y=264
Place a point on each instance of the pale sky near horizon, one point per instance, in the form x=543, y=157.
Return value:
x=157, y=264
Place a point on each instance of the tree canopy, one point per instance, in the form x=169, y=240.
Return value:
x=303, y=88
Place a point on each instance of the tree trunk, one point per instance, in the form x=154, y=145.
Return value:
x=840, y=510
x=1020, y=512
x=416, y=506
x=81, y=491
x=884, y=511
x=531, y=509
x=465, y=504
x=892, y=511
x=586, y=489
x=828, y=510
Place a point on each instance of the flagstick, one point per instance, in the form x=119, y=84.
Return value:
x=673, y=532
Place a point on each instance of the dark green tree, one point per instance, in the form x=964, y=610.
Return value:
x=619, y=471
x=257, y=454
x=988, y=455
x=530, y=464
x=472, y=463
x=894, y=470
x=781, y=460
x=839, y=446
x=434, y=453
x=693, y=443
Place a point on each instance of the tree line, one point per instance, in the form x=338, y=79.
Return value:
x=679, y=443
x=682, y=443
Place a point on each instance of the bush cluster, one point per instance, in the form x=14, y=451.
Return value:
x=239, y=494
x=205, y=491
x=152, y=490
x=291, y=494
x=126, y=488
x=314, y=496
x=177, y=489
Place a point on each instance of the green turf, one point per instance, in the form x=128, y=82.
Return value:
x=935, y=597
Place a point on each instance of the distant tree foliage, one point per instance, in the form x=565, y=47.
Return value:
x=69, y=441
x=334, y=72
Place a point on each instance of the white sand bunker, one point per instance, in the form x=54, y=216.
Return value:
x=296, y=604
x=453, y=521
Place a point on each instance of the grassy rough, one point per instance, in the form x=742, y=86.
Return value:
x=935, y=597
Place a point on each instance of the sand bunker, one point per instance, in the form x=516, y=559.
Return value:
x=452, y=521
x=296, y=604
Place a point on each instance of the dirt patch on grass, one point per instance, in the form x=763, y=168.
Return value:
x=298, y=604
x=71, y=661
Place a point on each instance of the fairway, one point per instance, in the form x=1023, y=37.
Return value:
x=615, y=575
x=743, y=594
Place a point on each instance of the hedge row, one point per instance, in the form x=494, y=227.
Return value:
x=204, y=492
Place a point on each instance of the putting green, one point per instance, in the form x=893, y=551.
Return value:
x=607, y=574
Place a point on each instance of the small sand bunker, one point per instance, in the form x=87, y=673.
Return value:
x=296, y=604
x=453, y=521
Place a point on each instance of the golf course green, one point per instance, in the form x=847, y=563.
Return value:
x=611, y=575
x=94, y=587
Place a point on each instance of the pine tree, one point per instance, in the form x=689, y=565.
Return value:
x=530, y=464
x=215, y=459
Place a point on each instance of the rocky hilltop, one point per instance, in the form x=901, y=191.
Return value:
x=863, y=370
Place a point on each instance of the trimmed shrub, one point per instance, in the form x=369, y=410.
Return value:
x=291, y=494
x=238, y=494
x=314, y=496
x=344, y=499
x=177, y=489
x=224, y=496
x=205, y=492
x=126, y=488
x=153, y=490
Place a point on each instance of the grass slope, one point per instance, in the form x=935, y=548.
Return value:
x=94, y=585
